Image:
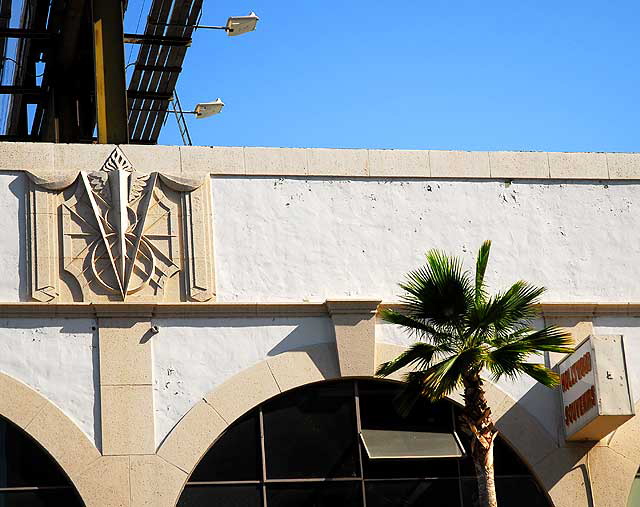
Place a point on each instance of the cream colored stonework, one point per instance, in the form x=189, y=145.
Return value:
x=154, y=481
x=354, y=323
x=118, y=234
x=106, y=483
x=127, y=420
x=197, y=430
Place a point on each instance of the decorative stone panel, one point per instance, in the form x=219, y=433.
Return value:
x=117, y=234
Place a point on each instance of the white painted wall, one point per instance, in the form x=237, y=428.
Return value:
x=13, y=257
x=292, y=239
x=59, y=359
x=192, y=357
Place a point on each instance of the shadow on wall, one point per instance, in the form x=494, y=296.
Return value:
x=18, y=188
x=307, y=333
x=535, y=444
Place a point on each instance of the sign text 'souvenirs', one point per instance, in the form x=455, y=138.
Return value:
x=587, y=400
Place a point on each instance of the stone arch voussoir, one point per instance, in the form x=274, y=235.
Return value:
x=50, y=427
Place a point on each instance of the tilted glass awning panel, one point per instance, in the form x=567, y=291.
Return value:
x=386, y=444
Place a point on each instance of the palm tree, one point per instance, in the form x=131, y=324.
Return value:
x=463, y=332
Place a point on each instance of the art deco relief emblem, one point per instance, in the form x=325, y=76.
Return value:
x=120, y=235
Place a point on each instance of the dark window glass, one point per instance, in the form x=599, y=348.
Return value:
x=520, y=491
x=41, y=498
x=312, y=433
x=437, y=493
x=377, y=410
x=244, y=495
x=235, y=456
x=408, y=468
x=23, y=462
x=316, y=494
x=506, y=461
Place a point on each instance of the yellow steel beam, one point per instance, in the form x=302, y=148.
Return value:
x=111, y=91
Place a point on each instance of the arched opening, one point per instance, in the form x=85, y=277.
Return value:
x=304, y=447
x=29, y=477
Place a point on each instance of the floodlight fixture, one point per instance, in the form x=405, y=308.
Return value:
x=206, y=109
x=236, y=25
x=239, y=25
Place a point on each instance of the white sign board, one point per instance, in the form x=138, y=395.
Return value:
x=596, y=397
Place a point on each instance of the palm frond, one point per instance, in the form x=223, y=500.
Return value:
x=444, y=377
x=550, y=339
x=419, y=354
x=509, y=310
x=542, y=374
x=411, y=393
x=438, y=293
x=508, y=358
x=481, y=268
x=415, y=327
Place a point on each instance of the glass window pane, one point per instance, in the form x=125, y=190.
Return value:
x=316, y=494
x=311, y=432
x=235, y=456
x=506, y=461
x=520, y=491
x=41, y=498
x=437, y=493
x=384, y=444
x=245, y=495
x=23, y=462
x=377, y=411
x=408, y=468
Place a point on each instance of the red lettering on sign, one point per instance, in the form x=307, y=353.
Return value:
x=575, y=372
x=580, y=406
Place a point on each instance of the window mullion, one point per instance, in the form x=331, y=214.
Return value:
x=263, y=458
x=358, y=430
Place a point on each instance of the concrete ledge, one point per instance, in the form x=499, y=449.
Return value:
x=198, y=161
x=293, y=309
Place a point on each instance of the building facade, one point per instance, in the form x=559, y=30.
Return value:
x=156, y=301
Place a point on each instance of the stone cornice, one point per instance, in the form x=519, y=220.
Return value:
x=266, y=309
x=190, y=165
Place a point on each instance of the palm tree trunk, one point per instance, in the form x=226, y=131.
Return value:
x=478, y=422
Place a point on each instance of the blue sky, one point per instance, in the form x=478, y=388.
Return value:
x=543, y=75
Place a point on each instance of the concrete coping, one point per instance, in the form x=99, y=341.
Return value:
x=279, y=309
x=61, y=161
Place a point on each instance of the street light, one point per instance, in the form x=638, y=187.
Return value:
x=202, y=110
x=238, y=25
x=206, y=109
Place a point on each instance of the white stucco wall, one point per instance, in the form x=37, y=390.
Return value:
x=295, y=239
x=192, y=357
x=13, y=257
x=59, y=359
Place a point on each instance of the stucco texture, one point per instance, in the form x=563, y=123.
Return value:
x=58, y=358
x=292, y=239
x=192, y=358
